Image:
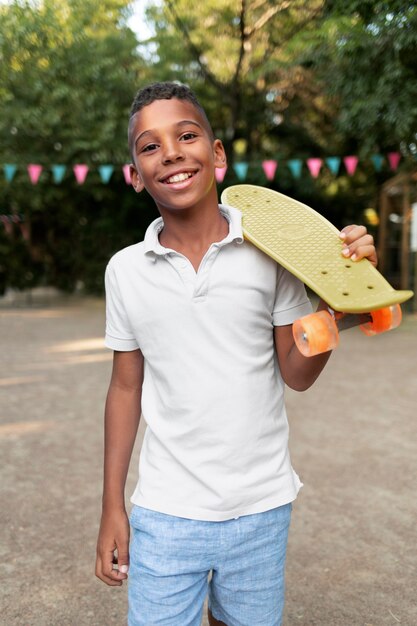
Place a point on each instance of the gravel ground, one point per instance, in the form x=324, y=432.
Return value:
x=352, y=554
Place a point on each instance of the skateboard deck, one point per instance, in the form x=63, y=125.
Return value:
x=309, y=246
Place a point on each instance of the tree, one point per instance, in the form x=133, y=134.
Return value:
x=68, y=72
x=367, y=60
x=238, y=58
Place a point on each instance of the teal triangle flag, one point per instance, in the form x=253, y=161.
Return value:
x=9, y=171
x=58, y=173
x=333, y=163
x=106, y=172
x=295, y=166
x=377, y=160
x=241, y=170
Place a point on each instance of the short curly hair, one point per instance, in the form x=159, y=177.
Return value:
x=167, y=91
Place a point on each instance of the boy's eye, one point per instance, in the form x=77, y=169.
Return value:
x=189, y=135
x=149, y=147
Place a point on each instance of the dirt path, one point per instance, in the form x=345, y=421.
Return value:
x=352, y=556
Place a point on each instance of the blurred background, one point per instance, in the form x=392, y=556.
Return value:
x=315, y=99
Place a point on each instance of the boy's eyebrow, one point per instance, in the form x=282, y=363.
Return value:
x=179, y=124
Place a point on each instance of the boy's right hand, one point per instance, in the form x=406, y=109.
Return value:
x=113, y=535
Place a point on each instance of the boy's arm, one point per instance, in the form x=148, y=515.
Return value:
x=300, y=372
x=122, y=414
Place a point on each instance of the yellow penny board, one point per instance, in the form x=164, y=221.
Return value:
x=308, y=245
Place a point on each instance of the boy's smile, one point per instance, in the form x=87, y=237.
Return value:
x=175, y=155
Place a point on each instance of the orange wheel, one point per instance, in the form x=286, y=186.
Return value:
x=382, y=320
x=315, y=333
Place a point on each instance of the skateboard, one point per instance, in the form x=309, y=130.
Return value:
x=309, y=246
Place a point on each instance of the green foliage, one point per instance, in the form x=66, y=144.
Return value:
x=68, y=72
x=291, y=78
x=368, y=61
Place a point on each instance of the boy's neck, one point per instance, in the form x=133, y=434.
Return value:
x=191, y=233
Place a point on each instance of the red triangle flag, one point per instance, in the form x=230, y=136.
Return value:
x=80, y=171
x=220, y=173
x=394, y=159
x=270, y=167
x=351, y=163
x=314, y=165
x=126, y=174
x=34, y=172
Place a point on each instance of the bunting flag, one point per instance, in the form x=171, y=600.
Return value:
x=314, y=165
x=241, y=170
x=295, y=165
x=9, y=170
x=394, y=159
x=377, y=160
x=58, y=173
x=34, y=172
x=126, y=174
x=351, y=163
x=333, y=163
x=106, y=172
x=80, y=171
x=270, y=167
x=220, y=173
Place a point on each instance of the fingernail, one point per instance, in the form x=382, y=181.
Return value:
x=123, y=569
x=354, y=257
x=342, y=235
x=345, y=251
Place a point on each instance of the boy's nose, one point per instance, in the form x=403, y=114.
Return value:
x=172, y=152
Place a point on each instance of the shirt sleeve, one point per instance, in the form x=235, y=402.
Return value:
x=119, y=335
x=291, y=300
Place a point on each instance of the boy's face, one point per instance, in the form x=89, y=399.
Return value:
x=174, y=155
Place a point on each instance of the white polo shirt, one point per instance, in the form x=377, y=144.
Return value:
x=216, y=443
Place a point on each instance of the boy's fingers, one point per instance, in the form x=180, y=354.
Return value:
x=107, y=572
x=358, y=244
x=351, y=233
x=102, y=573
x=123, y=559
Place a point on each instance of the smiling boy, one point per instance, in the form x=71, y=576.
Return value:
x=200, y=322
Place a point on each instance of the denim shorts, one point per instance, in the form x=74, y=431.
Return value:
x=176, y=562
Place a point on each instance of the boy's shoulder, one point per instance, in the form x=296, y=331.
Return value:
x=137, y=252
x=126, y=256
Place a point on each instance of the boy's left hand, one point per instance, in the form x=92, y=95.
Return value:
x=358, y=244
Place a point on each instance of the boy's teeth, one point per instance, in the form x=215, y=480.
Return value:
x=179, y=178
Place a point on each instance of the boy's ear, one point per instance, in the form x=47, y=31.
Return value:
x=137, y=183
x=220, y=159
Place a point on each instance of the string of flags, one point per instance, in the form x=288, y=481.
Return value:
x=241, y=168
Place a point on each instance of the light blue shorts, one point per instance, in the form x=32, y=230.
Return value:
x=175, y=562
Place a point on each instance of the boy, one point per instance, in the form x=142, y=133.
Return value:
x=200, y=324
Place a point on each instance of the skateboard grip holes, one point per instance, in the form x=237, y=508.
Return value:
x=324, y=272
x=370, y=287
x=345, y=293
x=348, y=266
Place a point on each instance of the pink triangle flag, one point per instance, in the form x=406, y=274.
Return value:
x=220, y=173
x=394, y=159
x=80, y=171
x=351, y=163
x=34, y=172
x=314, y=165
x=126, y=174
x=270, y=167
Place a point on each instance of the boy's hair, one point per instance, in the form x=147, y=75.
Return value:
x=166, y=91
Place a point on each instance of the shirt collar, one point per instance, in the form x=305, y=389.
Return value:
x=235, y=234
